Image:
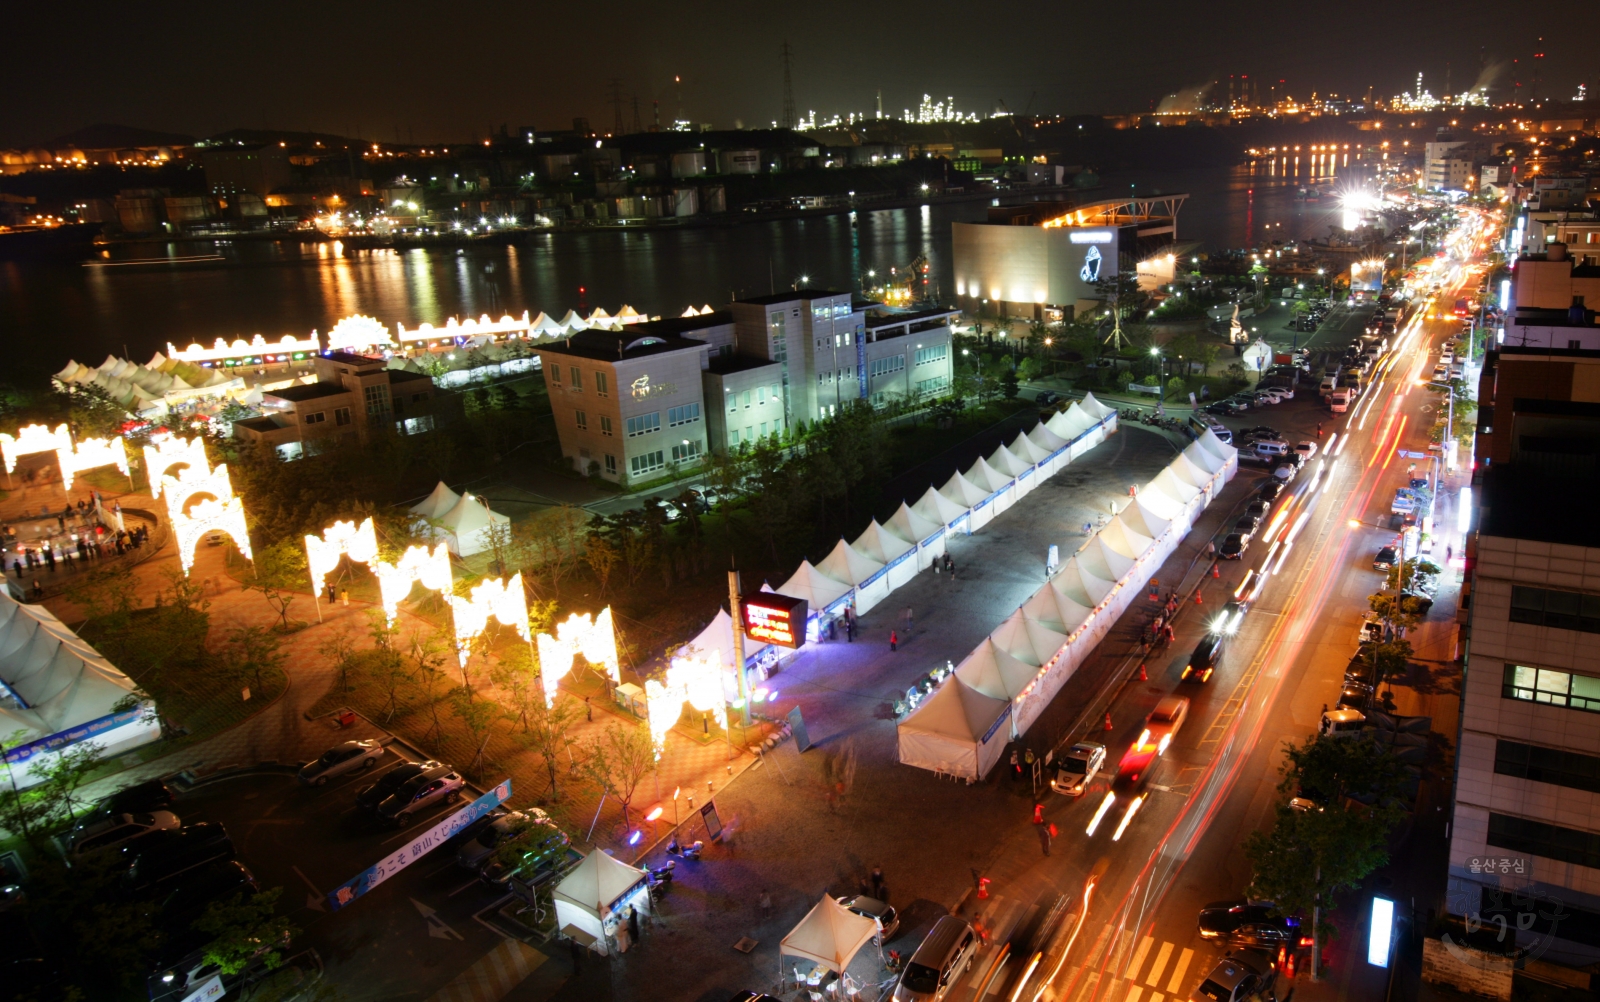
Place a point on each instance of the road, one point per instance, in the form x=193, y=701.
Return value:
x=1138, y=941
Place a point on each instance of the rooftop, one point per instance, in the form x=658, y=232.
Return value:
x=679, y=326
x=892, y=319
x=312, y=391
x=790, y=297
x=613, y=346
x=724, y=365
x=351, y=358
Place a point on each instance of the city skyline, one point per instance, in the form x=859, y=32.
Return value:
x=378, y=81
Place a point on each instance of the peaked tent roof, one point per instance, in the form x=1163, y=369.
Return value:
x=961, y=491
x=830, y=935
x=573, y=322
x=937, y=507
x=879, y=544
x=1055, y=609
x=911, y=525
x=987, y=477
x=815, y=587
x=1096, y=409
x=1025, y=449
x=1071, y=423
x=60, y=680
x=955, y=710
x=1009, y=463
x=718, y=636
x=1028, y=640
x=597, y=882
x=848, y=564
x=543, y=324
x=437, y=503
x=1044, y=438
x=993, y=672
x=471, y=513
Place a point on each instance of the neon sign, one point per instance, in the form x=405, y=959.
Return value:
x=1090, y=272
x=775, y=619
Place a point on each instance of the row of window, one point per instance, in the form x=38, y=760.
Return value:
x=846, y=339
x=1557, y=688
x=752, y=433
x=1539, y=838
x=928, y=387
x=602, y=381
x=647, y=463
x=884, y=366
x=1568, y=610
x=936, y=353
x=1574, y=770
x=644, y=424
x=844, y=375
x=341, y=416
x=687, y=414
x=749, y=398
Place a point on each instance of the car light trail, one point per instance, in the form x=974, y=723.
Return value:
x=1249, y=576
x=1083, y=916
x=1299, y=523
x=1099, y=815
x=1287, y=546
x=1331, y=439
x=1022, y=982
x=1133, y=809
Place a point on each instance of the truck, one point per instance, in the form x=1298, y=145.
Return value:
x=1339, y=400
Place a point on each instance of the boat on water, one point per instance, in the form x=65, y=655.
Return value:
x=177, y=261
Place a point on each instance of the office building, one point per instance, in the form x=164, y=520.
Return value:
x=1050, y=260
x=658, y=396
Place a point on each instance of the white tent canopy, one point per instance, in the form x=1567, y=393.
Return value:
x=878, y=543
x=718, y=636
x=544, y=325
x=470, y=525
x=848, y=564
x=588, y=896
x=437, y=504
x=956, y=731
x=830, y=935
x=818, y=589
x=573, y=322
x=52, y=682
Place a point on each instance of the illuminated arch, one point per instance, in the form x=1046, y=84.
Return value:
x=169, y=451
x=595, y=639
x=696, y=681
x=207, y=516
x=431, y=567
x=358, y=333
x=34, y=438
x=191, y=482
x=90, y=454
x=358, y=542
x=497, y=597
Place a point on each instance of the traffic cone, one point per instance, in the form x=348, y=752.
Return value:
x=1216, y=571
x=1108, y=720
x=1283, y=954
x=1142, y=676
x=1197, y=597
x=1289, y=970
x=983, y=888
x=1038, y=814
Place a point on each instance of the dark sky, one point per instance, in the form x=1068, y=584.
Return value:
x=441, y=70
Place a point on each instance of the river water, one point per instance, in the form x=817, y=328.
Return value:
x=49, y=314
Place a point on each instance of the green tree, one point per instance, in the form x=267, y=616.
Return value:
x=1008, y=384
x=479, y=716
x=245, y=931
x=619, y=761
x=547, y=729
x=340, y=648
x=279, y=572
x=601, y=555
x=254, y=653
x=1206, y=355
x=37, y=813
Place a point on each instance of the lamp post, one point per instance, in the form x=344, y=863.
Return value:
x=1161, y=373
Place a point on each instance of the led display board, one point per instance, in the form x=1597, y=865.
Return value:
x=775, y=619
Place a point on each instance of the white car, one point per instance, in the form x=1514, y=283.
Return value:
x=114, y=831
x=1286, y=392
x=1307, y=450
x=1272, y=396
x=340, y=759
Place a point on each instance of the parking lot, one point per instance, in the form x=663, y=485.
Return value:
x=434, y=918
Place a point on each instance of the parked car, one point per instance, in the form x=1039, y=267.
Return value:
x=1385, y=560
x=1260, y=506
x=1237, y=978
x=140, y=798
x=499, y=829
x=1285, y=472
x=104, y=833
x=1077, y=767
x=1371, y=630
x=1306, y=450
x=1160, y=728
x=187, y=899
x=1234, y=546
x=1046, y=398
x=1262, y=431
x=1247, y=524
x=538, y=847
x=1269, y=491
x=162, y=855
x=376, y=793
x=1248, y=923
x=421, y=792
x=341, y=759
x=872, y=908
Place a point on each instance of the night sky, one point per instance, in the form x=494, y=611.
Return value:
x=449, y=71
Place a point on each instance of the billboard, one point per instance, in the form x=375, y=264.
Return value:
x=775, y=619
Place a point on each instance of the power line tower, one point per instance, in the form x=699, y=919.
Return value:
x=637, y=125
x=788, y=120
x=615, y=96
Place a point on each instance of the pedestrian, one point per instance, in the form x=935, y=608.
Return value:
x=1016, y=768
x=911, y=619
x=576, y=951
x=850, y=630
x=1319, y=429
x=1044, y=837
x=1449, y=552
x=344, y=597
x=1170, y=634
x=766, y=905
x=633, y=924
x=1088, y=527
x=38, y=589
x=877, y=882
x=50, y=558
x=832, y=629
x=1027, y=760
x=332, y=597
x=16, y=565
x=936, y=566
x=61, y=521
x=894, y=641
x=588, y=711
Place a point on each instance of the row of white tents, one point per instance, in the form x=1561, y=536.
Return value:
x=57, y=692
x=1000, y=689
x=152, y=389
x=888, y=554
x=465, y=521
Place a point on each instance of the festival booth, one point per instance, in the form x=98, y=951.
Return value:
x=1031, y=655
x=829, y=936
x=437, y=504
x=896, y=553
x=57, y=693
x=852, y=567
x=469, y=525
x=717, y=638
x=595, y=897
x=928, y=534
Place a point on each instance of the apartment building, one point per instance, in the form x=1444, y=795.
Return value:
x=761, y=367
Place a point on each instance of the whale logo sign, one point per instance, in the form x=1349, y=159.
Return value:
x=1090, y=272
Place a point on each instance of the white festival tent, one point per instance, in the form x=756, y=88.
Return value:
x=830, y=935
x=717, y=638
x=573, y=322
x=57, y=692
x=1051, y=633
x=592, y=898
x=544, y=325
x=438, y=503
x=864, y=573
x=469, y=525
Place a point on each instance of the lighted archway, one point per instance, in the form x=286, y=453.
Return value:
x=358, y=542
x=168, y=451
x=696, y=681
x=206, y=516
x=33, y=439
x=418, y=563
x=595, y=639
x=497, y=597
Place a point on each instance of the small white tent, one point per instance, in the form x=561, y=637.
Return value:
x=886, y=547
x=545, y=325
x=591, y=899
x=830, y=935
x=438, y=503
x=956, y=731
x=573, y=322
x=470, y=525
x=818, y=589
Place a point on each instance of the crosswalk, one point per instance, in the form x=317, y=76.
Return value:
x=999, y=918
x=1155, y=972
x=494, y=975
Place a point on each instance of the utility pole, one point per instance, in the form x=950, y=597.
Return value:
x=616, y=104
x=637, y=126
x=736, y=607
x=788, y=119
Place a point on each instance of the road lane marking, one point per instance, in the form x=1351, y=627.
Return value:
x=1179, y=971
x=494, y=975
x=1134, y=991
x=1160, y=964
x=1138, y=957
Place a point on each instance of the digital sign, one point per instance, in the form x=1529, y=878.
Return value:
x=775, y=619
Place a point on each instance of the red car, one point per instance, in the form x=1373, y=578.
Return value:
x=1160, y=727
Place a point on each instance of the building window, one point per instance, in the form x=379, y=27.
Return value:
x=377, y=398
x=936, y=353
x=1540, y=839
x=763, y=429
x=1567, y=610
x=687, y=414
x=761, y=395
x=602, y=385
x=416, y=425
x=317, y=418
x=577, y=378
x=341, y=415
x=775, y=394
x=1557, y=688
x=937, y=384
x=583, y=420
x=884, y=366
x=684, y=453
x=733, y=402
x=611, y=464
x=555, y=375
x=746, y=399
x=644, y=424
x=1573, y=770
x=647, y=463
x=733, y=436
x=605, y=425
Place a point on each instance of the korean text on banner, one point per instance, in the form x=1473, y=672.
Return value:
x=424, y=843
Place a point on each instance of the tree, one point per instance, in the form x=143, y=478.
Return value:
x=340, y=648
x=548, y=731
x=619, y=761
x=254, y=652
x=1386, y=659
x=280, y=571
x=601, y=555
x=1206, y=354
x=429, y=653
x=1008, y=383
x=245, y=931
x=479, y=715
x=35, y=814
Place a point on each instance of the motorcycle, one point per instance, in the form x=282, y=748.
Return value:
x=690, y=851
x=659, y=879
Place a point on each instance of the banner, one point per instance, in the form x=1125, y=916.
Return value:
x=425, y=843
